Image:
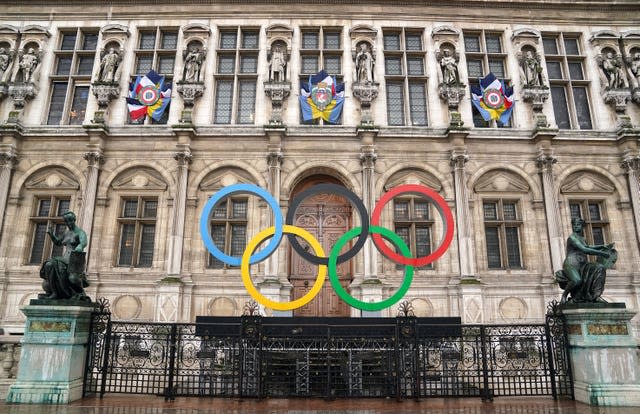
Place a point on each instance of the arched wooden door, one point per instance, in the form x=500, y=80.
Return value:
x=327, y=217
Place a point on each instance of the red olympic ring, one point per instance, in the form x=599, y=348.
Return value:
x=441, y=206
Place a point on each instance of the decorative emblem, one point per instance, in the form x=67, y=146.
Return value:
x=493, y=98
x=321, y=95
x=148, y=95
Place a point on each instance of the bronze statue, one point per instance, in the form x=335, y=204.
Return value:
x=64, y=276
x=581, y=279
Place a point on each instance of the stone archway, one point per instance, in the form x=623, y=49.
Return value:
x=327, y=217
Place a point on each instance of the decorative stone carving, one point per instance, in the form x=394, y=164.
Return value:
x=368, y=158
x=278, y=61
x=21, y=93
x=109, y=71
x=631, y=52
x=275, y=158
x=28, y=65
x=365, y=93
x=363, y=53
x=278, y=93
x=450, y=89
x=277, y=87
x=6, y=63
x=615, y=86
x=365, y=60
x=190, y=92
x=191, y=84
x=105, y=93
x=194, y=56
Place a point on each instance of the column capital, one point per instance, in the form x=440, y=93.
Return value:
x=368, y=159
x=630, y=161
x=183, y=158
x=8, y=159
x=275, y=158
x=546, y=159
x=94, y=158
x=459, y=157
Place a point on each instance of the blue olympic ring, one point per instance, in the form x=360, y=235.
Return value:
x=235, y=189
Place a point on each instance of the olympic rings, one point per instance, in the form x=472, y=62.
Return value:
x=441, y=206
x=344, y=295
x=234, y=189
x=263, y=300
x=336, y=189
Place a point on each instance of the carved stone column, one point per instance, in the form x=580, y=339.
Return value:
x=176, y=241
x=274, y=160
x=368, y=159
x=94, y=160
x=7, y=162
x=545, y=161
x=631, y=163
x=459, y=158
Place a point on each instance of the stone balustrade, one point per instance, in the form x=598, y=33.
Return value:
x=9, y=356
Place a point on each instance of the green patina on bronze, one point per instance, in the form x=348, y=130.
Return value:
x=43, y=326
x=607, y=329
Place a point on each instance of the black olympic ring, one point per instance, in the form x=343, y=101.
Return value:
x=355, y=201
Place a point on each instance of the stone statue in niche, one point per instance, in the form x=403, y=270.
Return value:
x=611, y=66
x=531, y=69
x=193, y=60
x=365, y=62
x=633, y=65
x=581, y=279
x=109, y=66
x=6, y=58
x=277, y=62
x=449, y=66
x=28, y=66
x=64, y=276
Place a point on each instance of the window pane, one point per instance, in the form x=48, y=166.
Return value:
x=554, y=69
x=248, y=64
x=401, y=210
x=392, y=66
x=44, y=208
x=571, y=46
x=39, y=235
x=550, y=46
x=513, y=247
x=497, y=67
x=165, y=66
x=392, y=41
x=598, y=235
x=56, y=107
x=223, y=102
x=575, y=210
x=413, y=41
x=247, y=103
x=63, y=206
x=130, y=208
x=68, y=41
x=127, y=233
x=478, y=120
x=472, y=43
x=238, y=239
x=78, y=105
x=403, y=232
x=415, y=66
x=310, y=40
x=418, y=103
x=490, y=211
x=421, y=210
x=239, y=209
x=582, y=107
x=332, y=64
x=220, y=211
x=509, y=211
x=226, y=64
x=332, y=40
x=64, y=65
x=594, y=212
x=575, y=71
x=395, y=104
x=144, y=64
x=493, y=44
x=309, y=64
x=559, y=100
x=150, y=208
x=493, y=248
x=228, y=40
x=59, y=231
x=90, y=41
x=169, y=41
x=217, y=235
x=249, y=40
x=147, y=40
x=146, y=245
x=423, y=241
x=474, y=66
x=85, y=65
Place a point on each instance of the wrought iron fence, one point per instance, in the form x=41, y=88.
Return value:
x=252, y=356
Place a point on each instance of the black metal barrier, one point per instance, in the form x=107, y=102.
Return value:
x=253, y=356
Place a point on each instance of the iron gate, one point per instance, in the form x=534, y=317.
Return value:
x=252, y=356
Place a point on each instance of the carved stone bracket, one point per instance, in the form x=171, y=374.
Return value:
x=617, y=98
x=546, y=159
x=366, y=93
x=459, y=158
x=105, y=92
x=278, y=93
x=21, y=93
x=368, y=158
x=536, y=96
x=275, y=158
x=451, y=94
x=190, y=91
x=94, y=158
x=183, y=158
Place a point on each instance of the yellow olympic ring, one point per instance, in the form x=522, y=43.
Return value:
x=246, y=276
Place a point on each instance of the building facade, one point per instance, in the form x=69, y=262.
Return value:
x=138, y=187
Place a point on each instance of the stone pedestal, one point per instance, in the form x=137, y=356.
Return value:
x=53, y=354
x=603, y=355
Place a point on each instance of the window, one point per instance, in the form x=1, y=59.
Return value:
x=502, y=226
x=49, y=211
x=71, y=77
x=156, y=51
x=137, y=222
x=236, y=76
x=592, y=212
x=229, y=229
x=404, y=68
x=569, y=93
x=484, y=54
x=413, y=223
